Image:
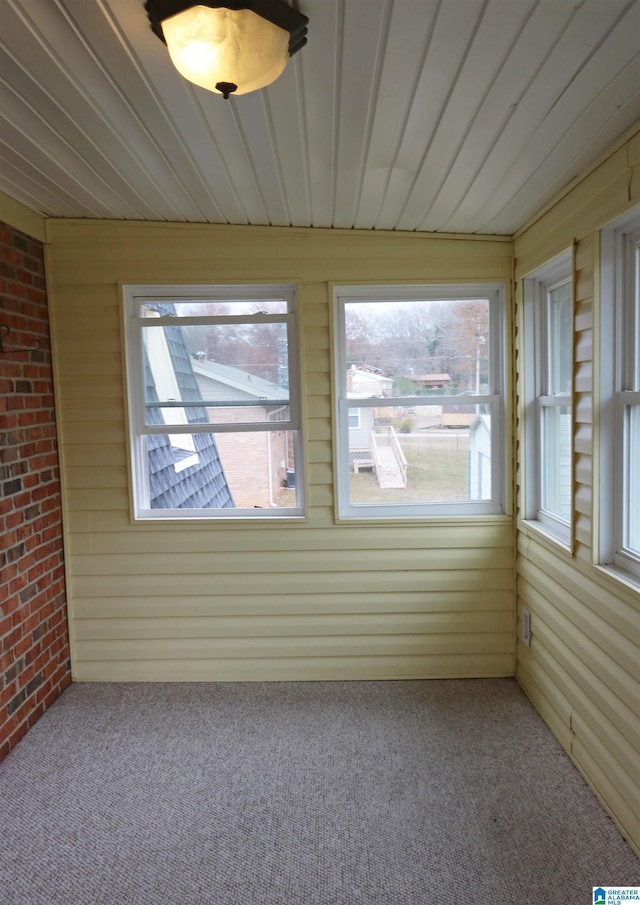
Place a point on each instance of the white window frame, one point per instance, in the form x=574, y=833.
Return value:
x=538, y=399
x=135, y=297
x=618, y=390
x=495, y=400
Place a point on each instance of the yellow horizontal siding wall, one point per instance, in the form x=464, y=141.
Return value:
x=246, y=602
x=582, y=670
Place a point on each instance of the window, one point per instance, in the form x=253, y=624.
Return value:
x=419, y=403
x=548, y=390
x=213, y=401
x=619, y=396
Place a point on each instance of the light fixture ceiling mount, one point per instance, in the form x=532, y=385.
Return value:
x=233, y=46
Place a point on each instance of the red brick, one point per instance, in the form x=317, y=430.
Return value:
x=7, y=693
x=5, y=625
x=20, y=732
x=10, y=604
x=33, y=620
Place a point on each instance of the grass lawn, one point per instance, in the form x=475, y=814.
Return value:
x=438, y=469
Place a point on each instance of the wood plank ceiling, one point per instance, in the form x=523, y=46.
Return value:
x=437, y=115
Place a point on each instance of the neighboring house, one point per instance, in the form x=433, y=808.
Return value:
x=360, y=428
x=185, y=471
x=457, y=415
x=363, y=383
x=368, y=382
x=256, y=463
x=429, y=381
x=480, y=458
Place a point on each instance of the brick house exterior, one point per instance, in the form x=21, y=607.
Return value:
x=34, y=641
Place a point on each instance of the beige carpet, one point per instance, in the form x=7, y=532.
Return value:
x=373, y=793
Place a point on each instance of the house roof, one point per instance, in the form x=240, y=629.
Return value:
x=199, y=486
x=241, y=383
x=432, y=378
x=373, y=375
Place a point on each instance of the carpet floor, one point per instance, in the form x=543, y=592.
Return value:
x=319, y=793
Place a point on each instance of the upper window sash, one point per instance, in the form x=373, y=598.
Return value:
x=630, y=317
x=618, y=526
x=141, y=298
x=547, y=381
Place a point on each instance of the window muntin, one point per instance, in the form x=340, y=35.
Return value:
x=426, y=366
x=548, y=389
x=213, y=437
x=618, y=526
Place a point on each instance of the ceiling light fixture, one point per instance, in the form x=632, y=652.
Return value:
x=232, y=47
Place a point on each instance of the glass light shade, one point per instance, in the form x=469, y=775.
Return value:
x=208, y=46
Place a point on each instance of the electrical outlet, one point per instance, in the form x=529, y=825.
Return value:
x=525, y=622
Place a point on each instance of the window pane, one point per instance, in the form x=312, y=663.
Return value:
x=408, y=348
x=407, y=458
x=636, y=319
x=632, y=480
x=354, y=419
x=226, y=471
x=228, y=372
x=217, y=308
x=556, y=461
x=560, y=339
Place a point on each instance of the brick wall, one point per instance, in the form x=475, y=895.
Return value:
x=245, y=457
x=34, y=640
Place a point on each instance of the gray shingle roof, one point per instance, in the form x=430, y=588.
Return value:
x=239, y=384
x=199, y=486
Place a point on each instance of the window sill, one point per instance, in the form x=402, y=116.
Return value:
x=427, y=521
x=219, y=521
x=618, y=576
x=540, y=532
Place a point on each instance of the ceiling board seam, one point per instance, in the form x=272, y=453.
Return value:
x=383, y=36
x=56, y=193
x=588, y=59
x=443, y=108
x=475, y=118
x=204, y=121
x=532, y=173
x=250, y=164
x=414, y=88
x=304, y=137
x=610, y=151
x=19, y=193
x=570, y=166
x=335, y=137
x=45, y=177
x=134, y=59
x=453, y=158
x=519, y=99
x=67, y=144
x=78, y=87
x=276, y=157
